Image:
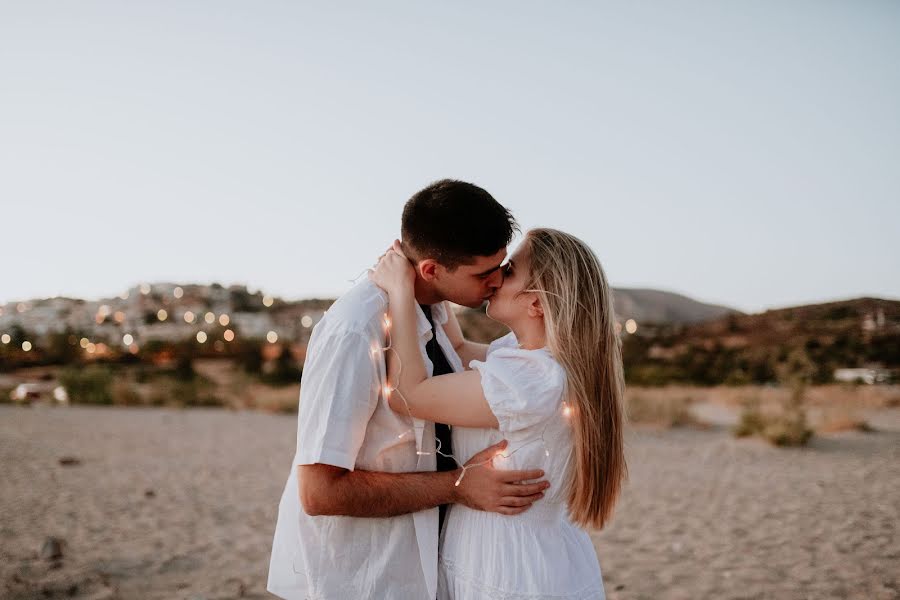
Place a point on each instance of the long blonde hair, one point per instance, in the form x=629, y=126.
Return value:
x=580, y=325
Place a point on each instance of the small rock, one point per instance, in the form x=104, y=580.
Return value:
x=69, y=461
x=148, y=493
x=52, y=548
x=620, y=587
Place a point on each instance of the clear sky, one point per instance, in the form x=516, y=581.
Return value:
x=739, y=153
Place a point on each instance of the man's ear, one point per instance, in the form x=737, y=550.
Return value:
x=427, y=269
x=534, y=308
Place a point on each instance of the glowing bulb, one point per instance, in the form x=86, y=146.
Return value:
x=306, y=321
x=224, y=320
x=209, y=318
x=162, y=315
x=201, y=336
x=26, y=346
x=127, y=339
x=5, y=339
x=228, y=335
x=178, y=292
x=630, y=325
x=145, y=289
x=188, y=317
x=84, y=342
x=268, y=301
x=272, y=337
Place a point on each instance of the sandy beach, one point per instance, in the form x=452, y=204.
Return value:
x=167, y=503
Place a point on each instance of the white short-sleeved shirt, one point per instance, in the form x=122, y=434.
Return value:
x=539, y=554
x=344, y=420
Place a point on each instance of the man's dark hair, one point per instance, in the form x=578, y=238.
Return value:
x=453, y=221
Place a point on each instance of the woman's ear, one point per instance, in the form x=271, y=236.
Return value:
x=534, y=308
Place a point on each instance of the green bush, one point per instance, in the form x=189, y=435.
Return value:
x=88, y=385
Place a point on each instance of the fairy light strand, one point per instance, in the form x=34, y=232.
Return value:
x=567, y=412
x=388, y=390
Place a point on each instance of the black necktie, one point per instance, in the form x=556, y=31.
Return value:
x=441, y=430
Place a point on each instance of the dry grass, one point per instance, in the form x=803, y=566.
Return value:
x=841, y=417
x=241, y=391
x=652, y=407
x=859, y=396
x=783, y=423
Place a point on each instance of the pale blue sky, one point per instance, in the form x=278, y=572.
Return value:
x=740, y=153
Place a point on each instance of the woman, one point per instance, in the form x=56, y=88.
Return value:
x=553, y=387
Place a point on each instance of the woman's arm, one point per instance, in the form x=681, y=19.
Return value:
x=457, y=399
x=467, y=351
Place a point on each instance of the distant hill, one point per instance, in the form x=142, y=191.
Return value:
x=657, y=306
x=739, y=348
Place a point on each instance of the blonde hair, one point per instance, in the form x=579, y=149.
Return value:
x=580, y=325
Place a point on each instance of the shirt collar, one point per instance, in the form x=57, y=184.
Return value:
x=423, y=327
x=438, y=313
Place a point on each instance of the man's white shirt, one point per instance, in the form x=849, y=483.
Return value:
x=344, y=420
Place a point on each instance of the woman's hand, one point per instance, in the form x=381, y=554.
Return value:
x=393, y=273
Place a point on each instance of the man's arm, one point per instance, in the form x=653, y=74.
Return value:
x=329, y=490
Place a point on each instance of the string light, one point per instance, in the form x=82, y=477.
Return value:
x=567, y=410
x=388, y=390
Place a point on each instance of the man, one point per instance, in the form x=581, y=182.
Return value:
x=359, y=515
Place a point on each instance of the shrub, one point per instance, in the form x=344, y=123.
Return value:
x=786, y=426
x=752, y=421
x=88, y=385
x=123, y=393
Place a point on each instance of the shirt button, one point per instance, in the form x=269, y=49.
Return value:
x=428, y=336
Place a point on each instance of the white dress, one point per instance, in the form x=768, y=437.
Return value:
x=539, y=553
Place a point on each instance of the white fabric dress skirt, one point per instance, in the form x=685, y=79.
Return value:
x=538, y=554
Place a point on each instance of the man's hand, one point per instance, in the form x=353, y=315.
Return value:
x=496, y=490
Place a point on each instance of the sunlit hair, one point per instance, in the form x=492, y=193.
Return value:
x=580, y=325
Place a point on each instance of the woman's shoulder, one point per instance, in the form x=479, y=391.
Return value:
x=507, y=349
x=525, y=372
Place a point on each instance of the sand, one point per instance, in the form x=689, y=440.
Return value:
x=182, y=504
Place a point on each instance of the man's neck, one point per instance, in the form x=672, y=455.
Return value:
x=425, y=294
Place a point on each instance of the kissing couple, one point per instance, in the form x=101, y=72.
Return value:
x=429, y=466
